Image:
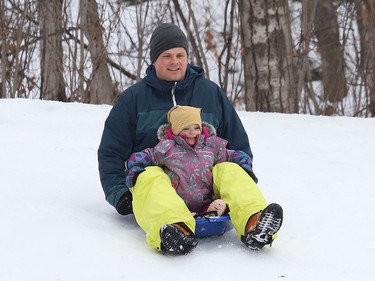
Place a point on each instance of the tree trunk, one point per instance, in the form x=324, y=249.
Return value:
x=100, y=85
x=331, y=51
x=52, y=79
x=267, y=56
x=3, y=58
x=366, y=26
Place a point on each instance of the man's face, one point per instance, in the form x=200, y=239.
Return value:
x=171, y=64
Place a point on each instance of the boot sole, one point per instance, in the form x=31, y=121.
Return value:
x=174, y=240
x=269, y=223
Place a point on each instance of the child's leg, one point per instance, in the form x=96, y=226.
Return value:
x=239, y=191
x=155, y=203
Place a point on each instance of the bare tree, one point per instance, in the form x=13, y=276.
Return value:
x=100, y=85
x=3, y=45
x=366, y=24
x=267, y=56
x=228, y=33
x=19, y=35
x=50, y=22
x=329, y=46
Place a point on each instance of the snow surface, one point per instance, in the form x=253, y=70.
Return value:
x=56, y=225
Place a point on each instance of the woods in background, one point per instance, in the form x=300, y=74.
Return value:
x=308, y=56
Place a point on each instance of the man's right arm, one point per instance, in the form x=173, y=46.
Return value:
x=114, y=149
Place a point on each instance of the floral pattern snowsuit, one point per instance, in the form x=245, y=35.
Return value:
x=189, y=168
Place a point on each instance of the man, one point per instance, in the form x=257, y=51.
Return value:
x=132, y=125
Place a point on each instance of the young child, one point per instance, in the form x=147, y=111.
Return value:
x=188, y=150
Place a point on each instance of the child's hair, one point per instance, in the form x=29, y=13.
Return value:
x=181, y=116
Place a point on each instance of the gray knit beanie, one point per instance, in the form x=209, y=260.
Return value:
x=167, y=36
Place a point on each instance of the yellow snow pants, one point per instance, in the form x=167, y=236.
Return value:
x=155, y=201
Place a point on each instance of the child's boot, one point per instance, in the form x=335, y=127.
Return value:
x=177, y=238
x=261, y=227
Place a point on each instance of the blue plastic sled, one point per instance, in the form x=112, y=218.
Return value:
x=212, y=226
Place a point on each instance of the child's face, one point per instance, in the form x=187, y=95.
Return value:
x=190, y=133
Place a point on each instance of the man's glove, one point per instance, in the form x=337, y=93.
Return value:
x=125, y=207
x=243, y=159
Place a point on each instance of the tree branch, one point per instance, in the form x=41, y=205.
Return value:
x=111, y=62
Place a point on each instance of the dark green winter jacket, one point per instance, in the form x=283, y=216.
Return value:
x=140, y=110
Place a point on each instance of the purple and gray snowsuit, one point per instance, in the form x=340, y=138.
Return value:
x=189, y=168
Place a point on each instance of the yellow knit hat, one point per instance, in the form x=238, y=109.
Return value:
x=181, y=116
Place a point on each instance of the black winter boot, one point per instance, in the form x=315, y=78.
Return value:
x=262, y=226
x=177, y=239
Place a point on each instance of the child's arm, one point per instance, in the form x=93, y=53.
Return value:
x=236, y=156
x=135, y=165
x=244, y=160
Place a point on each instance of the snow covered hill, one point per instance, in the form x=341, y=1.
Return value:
x=56, y=225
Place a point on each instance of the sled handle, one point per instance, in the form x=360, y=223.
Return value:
x=206, y=215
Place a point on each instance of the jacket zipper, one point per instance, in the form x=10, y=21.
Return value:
x=172, y=92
